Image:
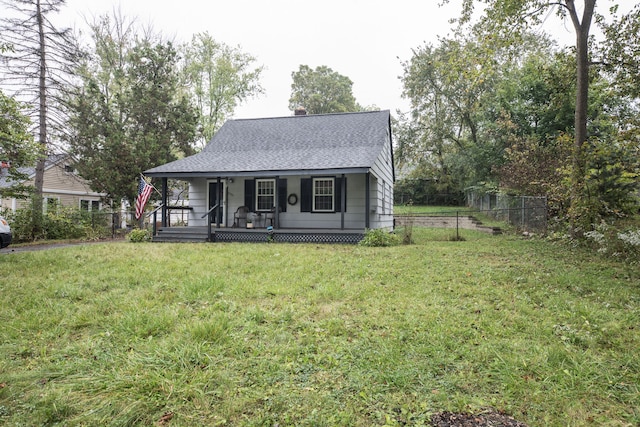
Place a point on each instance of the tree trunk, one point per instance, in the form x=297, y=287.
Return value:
x=42, y=134
x=582, y=99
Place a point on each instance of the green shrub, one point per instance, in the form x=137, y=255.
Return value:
x=63, y=223
x=22, y=228
x=139, y=235
x=379, y=237
x=621, y=242
x=59, y=223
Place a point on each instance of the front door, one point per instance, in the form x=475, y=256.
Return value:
x=216, y=195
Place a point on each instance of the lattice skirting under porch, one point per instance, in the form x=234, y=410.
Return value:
x=283, y=236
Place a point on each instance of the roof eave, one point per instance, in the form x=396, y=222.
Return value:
x=261, y=173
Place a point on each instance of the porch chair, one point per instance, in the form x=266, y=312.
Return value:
x=240, y=215
x=271, y=216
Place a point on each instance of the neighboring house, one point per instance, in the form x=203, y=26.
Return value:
x=325, y=173
x=61, y=186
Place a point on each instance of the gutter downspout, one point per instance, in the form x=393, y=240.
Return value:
x=367, y=201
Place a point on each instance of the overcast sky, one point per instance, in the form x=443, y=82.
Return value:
x=365, y=40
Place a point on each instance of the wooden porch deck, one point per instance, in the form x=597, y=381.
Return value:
x=258, y=235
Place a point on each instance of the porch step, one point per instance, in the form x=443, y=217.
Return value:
x=181, y=234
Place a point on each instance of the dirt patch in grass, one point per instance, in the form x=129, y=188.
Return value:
x=487, y=419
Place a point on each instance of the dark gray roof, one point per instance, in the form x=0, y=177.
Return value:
x=287, y=145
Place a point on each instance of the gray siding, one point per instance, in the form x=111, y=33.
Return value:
x=382, y=190
x=293, y=217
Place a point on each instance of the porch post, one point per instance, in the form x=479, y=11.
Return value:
x=343, y=201
x=367, y=201
x=164, y=202
x=218, y=201
x=276, y=214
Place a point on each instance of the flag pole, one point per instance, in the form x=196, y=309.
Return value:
x=148, y=181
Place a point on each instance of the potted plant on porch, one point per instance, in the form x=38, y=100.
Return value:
x=249, y=222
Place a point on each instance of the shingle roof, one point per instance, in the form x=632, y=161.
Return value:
x=289, y=144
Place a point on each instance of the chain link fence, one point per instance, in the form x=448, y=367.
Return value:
x=429, y=199
x=524, y=212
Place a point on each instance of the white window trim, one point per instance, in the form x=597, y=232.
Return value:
x=258, y=195
x=333, y=194
x=90, y=202
x=45, y=203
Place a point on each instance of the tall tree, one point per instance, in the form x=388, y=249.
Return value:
x=130, y=112
x=219, y=78
x=537, y=102
x=621, y=52
x=17, y=146
x=36, y=70
x=322, y=91
x=452, y=87
x=509, y=18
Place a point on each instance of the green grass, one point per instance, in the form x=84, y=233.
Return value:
x=318, y=335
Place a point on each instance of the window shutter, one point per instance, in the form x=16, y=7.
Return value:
x=249, y=194
x=306, y=192
x=338, y=193
x=282, y=194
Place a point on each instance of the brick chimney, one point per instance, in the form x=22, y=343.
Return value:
x=300, y=111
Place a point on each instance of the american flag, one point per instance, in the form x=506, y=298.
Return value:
x=144, y=191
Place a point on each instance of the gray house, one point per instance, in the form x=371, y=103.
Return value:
x=304, y=177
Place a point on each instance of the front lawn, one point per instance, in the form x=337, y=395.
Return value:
x=318, y=335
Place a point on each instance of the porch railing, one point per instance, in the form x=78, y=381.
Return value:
x=155, y=219
x=208, y=214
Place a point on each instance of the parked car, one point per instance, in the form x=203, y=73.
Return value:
x=5, y=233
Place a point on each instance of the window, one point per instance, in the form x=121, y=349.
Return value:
x=89, y=205
x=265, y=194
x=50, y=204
x=323, y=194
